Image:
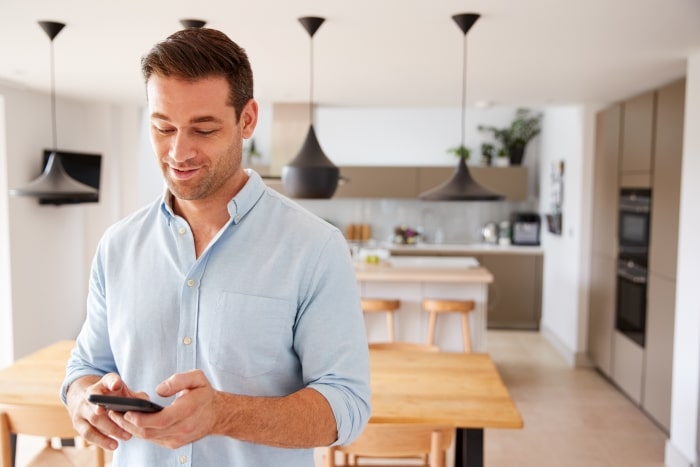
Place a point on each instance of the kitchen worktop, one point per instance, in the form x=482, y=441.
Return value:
x=460, y=249
x=386, y=272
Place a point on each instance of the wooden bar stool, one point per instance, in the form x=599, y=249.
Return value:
x=380, y=305
x=464, y=307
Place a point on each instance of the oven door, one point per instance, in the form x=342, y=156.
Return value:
x=631, y=312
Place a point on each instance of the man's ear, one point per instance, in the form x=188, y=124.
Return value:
x=249, y=118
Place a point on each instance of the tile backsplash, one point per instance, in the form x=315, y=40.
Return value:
x=439, y=221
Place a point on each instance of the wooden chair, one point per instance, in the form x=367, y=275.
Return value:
x=435, y=307
x=49, y=423
x=395, y=441
x=379, y=305
x=429, y=443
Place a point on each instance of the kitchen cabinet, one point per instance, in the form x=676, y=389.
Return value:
x=601, y=302
x=658, y=371
x=637, y=140
x=663, y=249
x=628, y=366
x=605, y=182
x=515, y=295
x=378, y=182
x=666, y=190
x=601, y=314
x=409, y=182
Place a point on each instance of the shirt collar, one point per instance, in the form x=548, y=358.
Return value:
x=239, y=205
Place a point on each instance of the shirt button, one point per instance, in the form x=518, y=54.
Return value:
x=182, y=230
x=183, y=459
x=190, y=283
x=187, y=340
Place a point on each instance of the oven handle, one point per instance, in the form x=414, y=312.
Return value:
x=631, y=277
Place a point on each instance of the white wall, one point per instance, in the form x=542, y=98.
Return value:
x=566, y=138
x=683, y=447
x=402, y=136
x=6, y=335
x=51, y=247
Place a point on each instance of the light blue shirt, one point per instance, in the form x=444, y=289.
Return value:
x=270, y=307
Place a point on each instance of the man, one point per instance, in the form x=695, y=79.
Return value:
x=225, y=302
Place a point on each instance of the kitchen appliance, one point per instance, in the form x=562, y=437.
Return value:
x=489, y=233
x=525, y=228
x=634, y=221
x=633, y=246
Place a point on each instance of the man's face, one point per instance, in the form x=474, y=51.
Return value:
x=195, y=135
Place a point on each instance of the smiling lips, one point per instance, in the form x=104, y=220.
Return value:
x=184, y=173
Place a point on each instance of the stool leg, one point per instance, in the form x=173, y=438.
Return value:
x=465, y=333
x=431, y=327
x=390, y=325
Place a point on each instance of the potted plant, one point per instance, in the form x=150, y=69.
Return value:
x=521, y=131
x=251, y=153
x=487, y=153
x=460, y=151
x=501, y=159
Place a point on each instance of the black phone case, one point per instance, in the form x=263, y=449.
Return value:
x=125, y=404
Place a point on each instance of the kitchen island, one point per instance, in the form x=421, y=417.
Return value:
x=515, y=295
x=413, y=279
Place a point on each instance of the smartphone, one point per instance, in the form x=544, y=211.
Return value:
x=124, y=404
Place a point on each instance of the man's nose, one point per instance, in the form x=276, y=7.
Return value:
x=181, y=148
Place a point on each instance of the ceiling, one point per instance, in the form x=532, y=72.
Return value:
x=377, y=53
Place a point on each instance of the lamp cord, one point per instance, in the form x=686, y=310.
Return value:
x=311, y=80
x=53, y=100
x=464, y=88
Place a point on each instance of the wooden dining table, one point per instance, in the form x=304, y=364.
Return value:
x=35, y=380
x=459, y=389
x=464, y=390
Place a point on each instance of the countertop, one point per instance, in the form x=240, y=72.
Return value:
x=385, y=272
x=460, y=249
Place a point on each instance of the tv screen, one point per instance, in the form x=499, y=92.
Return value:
x=84, y=167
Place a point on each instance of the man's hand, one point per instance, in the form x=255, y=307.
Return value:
x=92, y=421
x=192, y=416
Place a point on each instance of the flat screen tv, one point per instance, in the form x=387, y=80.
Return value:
x=84, y=167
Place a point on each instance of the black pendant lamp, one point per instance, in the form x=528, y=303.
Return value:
x=461, y=186
x=54, y=182
x=192, y=23
x=310, y=174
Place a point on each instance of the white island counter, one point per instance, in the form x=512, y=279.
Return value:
x=412, y=280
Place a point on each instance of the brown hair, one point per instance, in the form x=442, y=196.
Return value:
x=196, y=53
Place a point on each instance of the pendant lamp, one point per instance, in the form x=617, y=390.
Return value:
x=461, y=186
x=54, y=182
x=192, y=23
x=310, y=174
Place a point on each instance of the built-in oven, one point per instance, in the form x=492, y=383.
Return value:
x=631, y=310
x=634, y=220
x=633, y=247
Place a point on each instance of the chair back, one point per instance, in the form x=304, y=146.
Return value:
x=398, y=440
x=46, y=422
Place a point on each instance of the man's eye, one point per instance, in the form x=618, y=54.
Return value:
x=163, y=131
x=205, y=132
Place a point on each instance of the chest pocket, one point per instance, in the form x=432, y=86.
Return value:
x=250, y=333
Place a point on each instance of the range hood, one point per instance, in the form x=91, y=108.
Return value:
x=460, y=187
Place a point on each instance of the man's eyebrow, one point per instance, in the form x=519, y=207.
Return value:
x=202, y=119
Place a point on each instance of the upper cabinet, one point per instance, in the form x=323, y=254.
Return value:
x=377, y=182
x=605, y=181
x=666, y=194
x=637, y=140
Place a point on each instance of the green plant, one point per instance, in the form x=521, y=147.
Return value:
x=252, y=152
x=514, y=138
x=460, y=151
